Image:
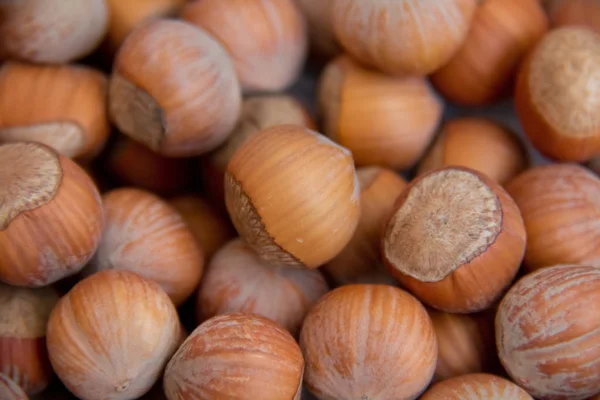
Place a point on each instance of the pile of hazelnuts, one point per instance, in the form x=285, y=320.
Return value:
x=285, y=199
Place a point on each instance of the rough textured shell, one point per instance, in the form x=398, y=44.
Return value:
x=111, y=335
x=547, y=335
x=368, y=342
x=560, y=205
x=237, y=280
x=476, y=387
x=51, y=32
x=145, y=235
x=262, y=361
x=412, y=37
x=293, y=195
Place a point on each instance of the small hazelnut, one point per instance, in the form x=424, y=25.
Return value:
x=293, y=195
x=24, y=315
x=556, y=97
x=476, y=387
x=383, y=120
x=403, y=37
x=237, y=280
x=145, y=235
x=548, y=332
x=211, y=230
x=561, y=210
x=134, y=164
x=9, y=390
x=258, y=113
x=111, y=336
x=63, y=107
x=360, y=261
x=479, y=144
x=261, y=360
x=368, y=342
x=266, y=39
x=455, y=239
x=174, y=89
x=56, y=31
x=502, y=33
x=465, y=344
x=51, y=217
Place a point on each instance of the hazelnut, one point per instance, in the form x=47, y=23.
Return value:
x=502, y=33
x=455, y=239
x=403, y=37
x=556, y=98
x=111, y=336
x=318, y=15
x=368, y=342
x=134, y=164
x=547, y=333
x=476, y=386
x=145, y=235
x=55, y=31
x=237, y=280
x=63, y=107
x=24, y=315
x=465, y=344
x=480, y=144
x=9, y=390
x=560, y=207
x=211, y=230
x=51, y=216
x=383, y=120
x=360, y=261
x=174, y=89
x=262, y=361
x=266, y=39
x=293, y=195
x=258, y=113
x=126, y=15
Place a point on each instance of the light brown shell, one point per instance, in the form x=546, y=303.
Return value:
x=262, y=361
x=368, y=342
x=560, y=204
x=266, y=39
x=59, y=31
x=145, y=235
x=547, y=334
x=111, y=336
x=476, y=387
x=403, y=37
x=237, y=280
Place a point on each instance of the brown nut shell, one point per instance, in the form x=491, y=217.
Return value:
x=455, y=239
x=174, y=89
x=560, y=204
x=51, y=217
x=547, y=334
x=9, y=390
x=556, y=96
x=262, y=361
x=575, y=13
x=63, y=107
x=476, y=387
x=368, y=342
x=318, y=15
x=293, y=195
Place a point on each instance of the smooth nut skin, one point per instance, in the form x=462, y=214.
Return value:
x=561, y=209
x=502, y=33
x=174, y=89
x=262, y=361
x=476, y=387
x=293, y=195
x=266, y=39
x=112, y=335
x=557, y=104
x=403, y=37
x=57, y=32
x=368, y=342
x=547, y=338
